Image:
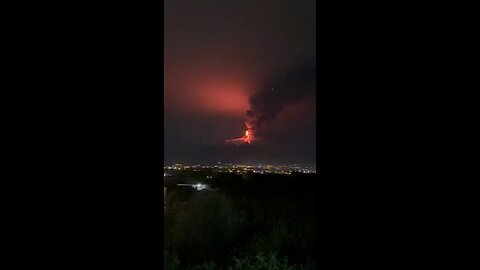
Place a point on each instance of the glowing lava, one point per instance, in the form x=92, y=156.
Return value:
x=247, y=138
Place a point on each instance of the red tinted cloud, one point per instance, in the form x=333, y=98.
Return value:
x=208, y=92
x=225, y=98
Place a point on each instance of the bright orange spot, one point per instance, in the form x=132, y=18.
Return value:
x=247, y=138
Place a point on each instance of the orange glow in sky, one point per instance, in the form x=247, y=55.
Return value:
x=219, y=97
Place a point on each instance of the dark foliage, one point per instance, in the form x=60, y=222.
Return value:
x=242, y=218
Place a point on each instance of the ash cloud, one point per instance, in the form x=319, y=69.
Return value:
x=288, y=87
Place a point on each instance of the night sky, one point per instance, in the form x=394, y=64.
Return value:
x=222, y=59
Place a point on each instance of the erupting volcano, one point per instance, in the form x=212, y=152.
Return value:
x=247, y=138
x=294, y=85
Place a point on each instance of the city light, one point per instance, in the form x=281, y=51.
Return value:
x=241, y=169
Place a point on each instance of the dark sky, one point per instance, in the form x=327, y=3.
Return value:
x=218, y=55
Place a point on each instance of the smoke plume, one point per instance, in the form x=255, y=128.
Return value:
x=289, y=87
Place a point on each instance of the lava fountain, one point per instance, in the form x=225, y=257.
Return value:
x=247, y=138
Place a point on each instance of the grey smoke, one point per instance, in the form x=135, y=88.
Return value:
x=291, y=86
